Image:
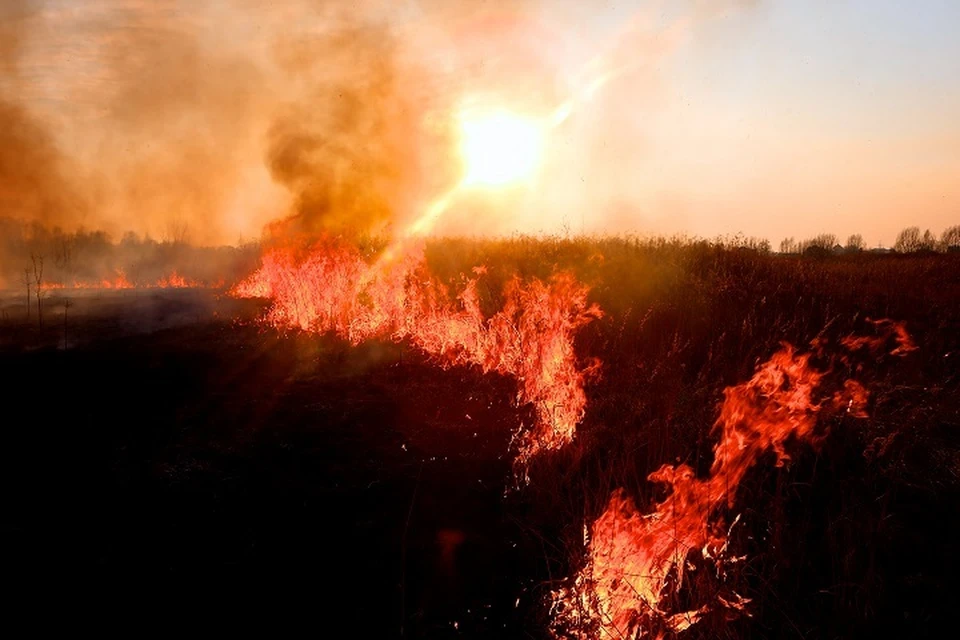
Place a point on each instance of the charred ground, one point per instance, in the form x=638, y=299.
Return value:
x=174, y=441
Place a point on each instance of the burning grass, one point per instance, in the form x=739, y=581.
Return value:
x=817, y=503
x=637, y=563
x=329, y=287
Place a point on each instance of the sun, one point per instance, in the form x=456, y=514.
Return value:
x=499, y=147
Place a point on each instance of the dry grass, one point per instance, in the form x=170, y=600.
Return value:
x=855, y=536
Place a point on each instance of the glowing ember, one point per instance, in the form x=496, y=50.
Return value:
x=634, y=561
x=332, y=289
x=499, y=147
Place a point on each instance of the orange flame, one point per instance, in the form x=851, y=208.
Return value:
x=886, y=330
x=176, y=281
x=635, y=560
x=120, y=282
x=332, y=289
x=172, y=281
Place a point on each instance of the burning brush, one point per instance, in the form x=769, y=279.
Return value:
x=636, y=563
x=331, y=288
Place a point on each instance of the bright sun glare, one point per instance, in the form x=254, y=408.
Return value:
x=499, y=147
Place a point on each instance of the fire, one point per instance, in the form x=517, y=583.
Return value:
x=887, y=330
x=120, y=282
x=635, y=562
x=331, y=288
x=176, y=281
x=499, y=147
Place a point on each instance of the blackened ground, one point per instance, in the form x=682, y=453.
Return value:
x=213, y=453
x=152, y=442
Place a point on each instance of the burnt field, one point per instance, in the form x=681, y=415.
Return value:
x=170, y=439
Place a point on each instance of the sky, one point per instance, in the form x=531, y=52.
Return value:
x=767, y=118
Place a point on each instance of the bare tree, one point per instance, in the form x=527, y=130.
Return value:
x=819, y=246
x=824, y=241
x=928, y=242
x=27, y=282
x=177, y=231
x=64, y=254
x=788, y=245
x=855, y=243
x=38, y=285
x=908, y=240
x=950, y=239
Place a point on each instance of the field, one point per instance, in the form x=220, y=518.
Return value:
x=171, y=439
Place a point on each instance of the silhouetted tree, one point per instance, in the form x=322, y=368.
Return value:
x=26, y=282
x=819, y=246
x=908, y=240
x=824, y=240
x=855, y=243
x=177, y=231
x=38, y=285
x=928, y=242
x=950, y=239
x=789, y=245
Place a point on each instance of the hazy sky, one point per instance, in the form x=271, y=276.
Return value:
x=769, y=118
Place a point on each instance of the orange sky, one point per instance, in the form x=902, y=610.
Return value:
x=772, y=119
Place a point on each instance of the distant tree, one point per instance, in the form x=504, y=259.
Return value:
x=63, y=257
x=819, y=246
x=950, y=239
x=928, y=242
x=177, y=231
x=855, y=243
x=130, y=239
x=27, y=282
x=38, y=285
x=908, y=240
x=789, y=245
x=824, y=241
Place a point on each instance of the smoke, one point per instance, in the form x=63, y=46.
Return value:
x=209, y=121
x=36, y=180
x=177, y=132
x=356, y=148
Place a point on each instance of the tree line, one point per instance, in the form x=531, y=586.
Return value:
x=92, y=255
x=909, y=240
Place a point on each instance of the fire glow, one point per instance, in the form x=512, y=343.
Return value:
x=121, y=282
x=636, y=563
x=331, y=288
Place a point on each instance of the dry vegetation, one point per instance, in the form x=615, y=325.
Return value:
x=849, y=538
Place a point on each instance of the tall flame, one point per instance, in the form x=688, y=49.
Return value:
x=634, y=561
x=333, y=289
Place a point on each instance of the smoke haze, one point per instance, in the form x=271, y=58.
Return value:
x=212, y=121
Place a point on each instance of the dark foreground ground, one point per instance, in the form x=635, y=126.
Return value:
x=211, y=453
x=175, y=446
